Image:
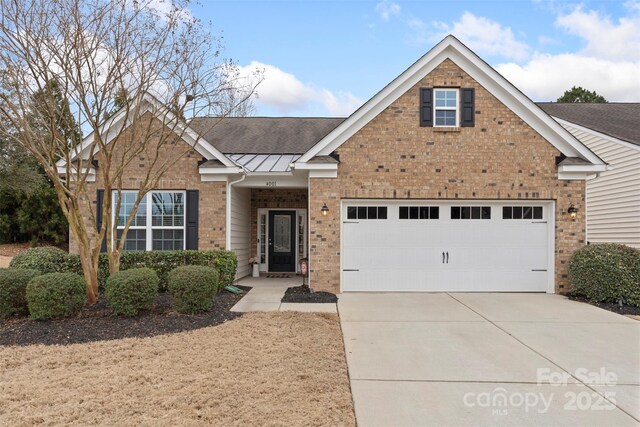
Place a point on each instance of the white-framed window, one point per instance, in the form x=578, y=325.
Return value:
x=445, y=108
x=159, y=222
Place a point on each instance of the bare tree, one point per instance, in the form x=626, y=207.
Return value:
x=131, y=73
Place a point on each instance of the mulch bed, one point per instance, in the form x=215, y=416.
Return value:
x=97, y=323
x=625, y=309
x=13, y=249
x=302, y=294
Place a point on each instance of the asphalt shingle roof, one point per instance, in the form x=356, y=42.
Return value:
x=263, y=135
x=619, y=120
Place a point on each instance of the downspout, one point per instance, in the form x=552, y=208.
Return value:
x=229, y=185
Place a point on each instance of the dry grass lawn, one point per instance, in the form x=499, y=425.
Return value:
x=285, y=369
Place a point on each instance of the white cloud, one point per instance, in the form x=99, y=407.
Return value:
x=609, y=63
x=285, y=93
x=605, y=39
x=485, y=37
x=387, y=8
x=545, y=77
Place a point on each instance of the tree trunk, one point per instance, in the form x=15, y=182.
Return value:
x=89, y=260
x=114, y=260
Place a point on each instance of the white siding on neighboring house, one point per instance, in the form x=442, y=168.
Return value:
x=241, y=228
x=613, y=198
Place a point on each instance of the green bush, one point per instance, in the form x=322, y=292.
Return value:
x=55, y=295
x=13, y=289
x=193, y=288
x=162, y=262
x=606, y=273
x=45, y=260
x=130, y=291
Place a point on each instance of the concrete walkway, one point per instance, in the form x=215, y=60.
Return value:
x=266, y=294
x=489, y=359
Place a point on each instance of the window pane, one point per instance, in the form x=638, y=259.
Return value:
x=486, y=212
x=167, y=240
x=445, y=117
x=455, y=212
x=351, y=212
x=413, y=212
x=527, y=212
x=466, y=212
x=507, y=212
x=537, y=212
x=517, y=212
x=424, y=212
x=126, y=207
x=167, y=209
x=362, y=212
x=135, y=241
x=404, y=212
x=475, y=212
x=434, y=212
x=382, y=212
x=372, y=212
x=263, y=238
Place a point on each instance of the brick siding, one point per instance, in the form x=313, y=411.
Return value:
x=392, y=157
x=182, y=175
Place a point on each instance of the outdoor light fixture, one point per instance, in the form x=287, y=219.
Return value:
x=573, y=211
x=324, y=210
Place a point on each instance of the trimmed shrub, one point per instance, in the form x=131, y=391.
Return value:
x=13, y=289
x=55, y=295
x=193, y=288
x=50, y=260
x=162, y=262
x=606, y=273
x=130, y=291
x=45, y=260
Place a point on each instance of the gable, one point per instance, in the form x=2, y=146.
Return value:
x=452, y=50
x=119, y=123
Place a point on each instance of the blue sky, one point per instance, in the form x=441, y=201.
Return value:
x=325, y=58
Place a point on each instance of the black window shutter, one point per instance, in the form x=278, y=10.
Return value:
x=467, y=115
x=426, y=106
x=99, y=199
x=192, y=220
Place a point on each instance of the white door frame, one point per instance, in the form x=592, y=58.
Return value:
x=265, y=211
x=549, y=207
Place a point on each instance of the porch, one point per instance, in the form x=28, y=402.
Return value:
x=269, y=225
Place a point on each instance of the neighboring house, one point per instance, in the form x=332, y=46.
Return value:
x=612, y=131
x=448, y=179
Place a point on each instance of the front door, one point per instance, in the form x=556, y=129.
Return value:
x=282, y=242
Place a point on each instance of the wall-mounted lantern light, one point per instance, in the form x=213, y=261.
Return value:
x=324, y=210
x=573, y=211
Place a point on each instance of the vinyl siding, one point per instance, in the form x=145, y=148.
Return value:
x=241, y=228
x=613, y=198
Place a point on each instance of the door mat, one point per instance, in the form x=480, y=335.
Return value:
x=279, y=276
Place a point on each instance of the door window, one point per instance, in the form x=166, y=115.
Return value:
x=282, y=233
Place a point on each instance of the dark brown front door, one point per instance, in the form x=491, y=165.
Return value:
x=282, y=241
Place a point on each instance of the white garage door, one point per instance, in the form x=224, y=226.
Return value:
x=453, y=246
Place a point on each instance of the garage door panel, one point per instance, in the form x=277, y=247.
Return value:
x=394, y=254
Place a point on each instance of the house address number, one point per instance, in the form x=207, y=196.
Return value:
x=272, y=183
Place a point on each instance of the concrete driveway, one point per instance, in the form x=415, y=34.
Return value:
x=489, y=359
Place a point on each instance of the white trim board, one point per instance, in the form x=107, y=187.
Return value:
x=598, y=134
x=451, y=48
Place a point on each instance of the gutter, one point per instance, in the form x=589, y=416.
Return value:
x=228, y=221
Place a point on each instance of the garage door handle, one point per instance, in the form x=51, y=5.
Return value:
x=447, y=257
x=443, y=257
